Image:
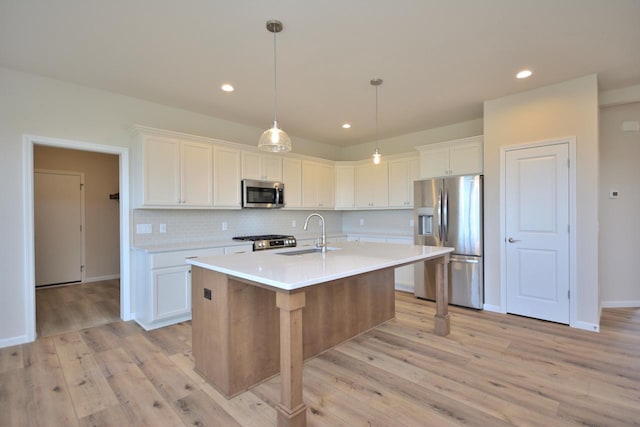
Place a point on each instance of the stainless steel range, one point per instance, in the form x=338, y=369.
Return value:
x=269, y=241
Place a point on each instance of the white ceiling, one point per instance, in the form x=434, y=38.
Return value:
x=439, y=59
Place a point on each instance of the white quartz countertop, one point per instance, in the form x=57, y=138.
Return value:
x=183, y=246
x=298, y=271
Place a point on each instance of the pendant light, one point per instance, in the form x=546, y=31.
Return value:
x=275, y=139
x=376, y=154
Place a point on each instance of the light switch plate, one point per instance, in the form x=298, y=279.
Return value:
x=163, y=228
x=631, y=126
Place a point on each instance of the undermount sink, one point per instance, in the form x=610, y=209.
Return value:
x=305, y=251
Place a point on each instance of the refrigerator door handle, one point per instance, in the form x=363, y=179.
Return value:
x=440, y=224
x=445, y=215
x=466, y=261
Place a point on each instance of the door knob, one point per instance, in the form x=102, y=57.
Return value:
x=512, y=240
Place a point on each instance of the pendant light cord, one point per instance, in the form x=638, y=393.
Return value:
x=376, y=117
x=275, y=81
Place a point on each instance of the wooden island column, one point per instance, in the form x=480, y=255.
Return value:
x=442, y=322
x=292, y=412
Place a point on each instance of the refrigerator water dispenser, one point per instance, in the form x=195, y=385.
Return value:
x=425, y=221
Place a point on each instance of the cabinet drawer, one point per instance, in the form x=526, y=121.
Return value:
x=170, y=259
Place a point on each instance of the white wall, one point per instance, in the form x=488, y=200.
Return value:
x=35, y=105
x=562, y=110
x=618, y=267
x=102, y=217
x=407, y=143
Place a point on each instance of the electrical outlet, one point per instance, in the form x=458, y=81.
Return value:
x=361, y=221
x=143, y=228
x=411, y=224
x=225, y=226
x=293, y=223
x=163, y=228
x=614, y=194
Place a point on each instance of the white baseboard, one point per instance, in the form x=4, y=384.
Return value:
x=493, y=308
x=619, y=304
x=101, y=278
x=10, y=342
x=592, y=327
x=404, y=287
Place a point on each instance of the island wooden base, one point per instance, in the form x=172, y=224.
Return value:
x=442, y=324
x=245, y=332
x=237, y=333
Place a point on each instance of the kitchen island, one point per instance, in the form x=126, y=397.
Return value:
x=248, y=320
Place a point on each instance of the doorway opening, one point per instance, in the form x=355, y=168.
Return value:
x=106, y=283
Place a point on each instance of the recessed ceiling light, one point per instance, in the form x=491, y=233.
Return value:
x=346, y=126
x=227, y=87
x=524, y=74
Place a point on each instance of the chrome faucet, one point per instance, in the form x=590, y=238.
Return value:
x=323, y=237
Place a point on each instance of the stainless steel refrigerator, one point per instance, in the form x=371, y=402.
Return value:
x=448, y=212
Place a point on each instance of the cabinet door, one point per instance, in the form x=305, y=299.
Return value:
x=292, y=179
x=310, y=184
x=271, y=168
x=161, y=171
x=197, y=174
x=251, y=165
x=171, y=292
x=226, y=182
x=372, y=185
x=398, y=184
x=345, y=187
x=466, y=158
x=413, y=166
x=434, y=162
x=317, y=185
x=326, y=188
x=261, y=167
x=380, y=185
x=363, y=177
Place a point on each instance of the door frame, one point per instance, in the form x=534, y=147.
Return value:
x=571, y=141
x=29, y=252
x=82, y=218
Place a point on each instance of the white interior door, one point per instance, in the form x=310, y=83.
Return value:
x=58, y=227
x=537, y=232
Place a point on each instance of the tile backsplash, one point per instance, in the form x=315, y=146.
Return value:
x=206, y=225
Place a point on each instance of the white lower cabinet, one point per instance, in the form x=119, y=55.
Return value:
x=171, y=292
x=162, y=283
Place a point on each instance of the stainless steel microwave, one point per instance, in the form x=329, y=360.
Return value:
x=262, y=194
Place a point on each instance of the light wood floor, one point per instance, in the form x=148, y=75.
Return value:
x=492, y=370
x=74, y=307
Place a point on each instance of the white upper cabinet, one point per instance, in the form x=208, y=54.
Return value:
x=402, y=173
x=457, y=157
x=292, y=179
x=345, y=186
x=196, y=163
x=372, y=185
x=174, y=173
x=226, y=192
x=263, y=167
x=317, y=185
